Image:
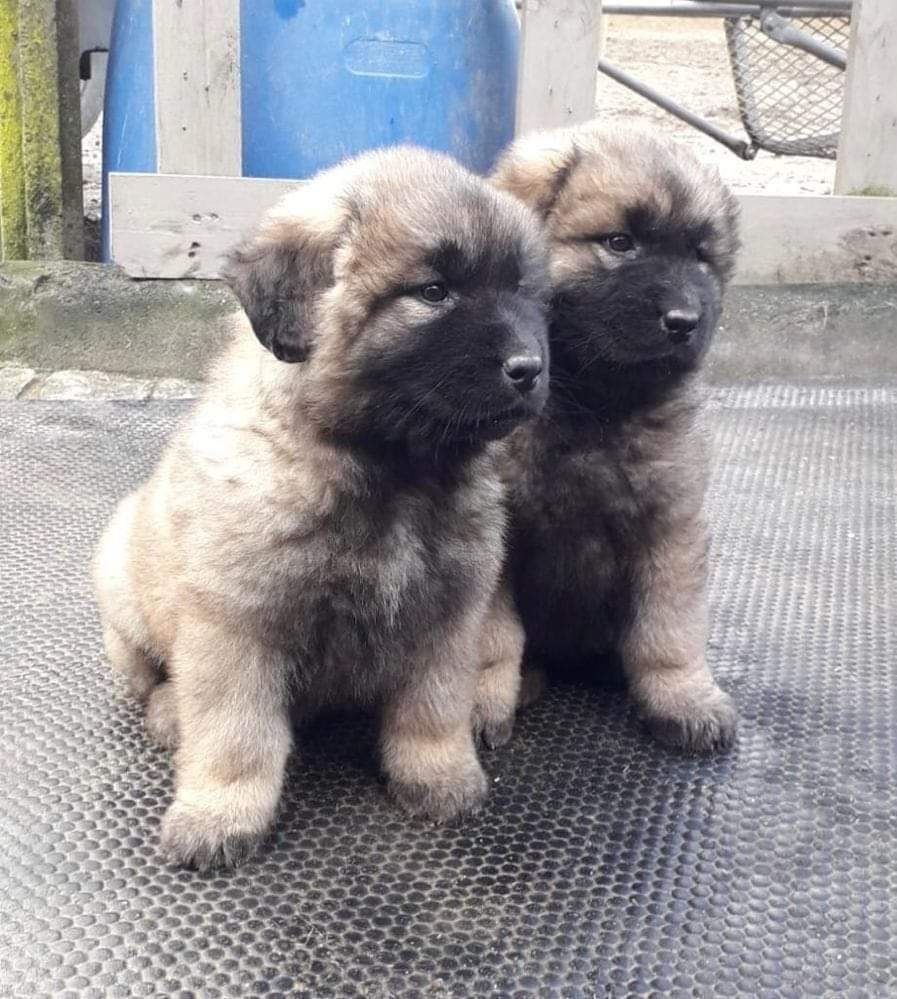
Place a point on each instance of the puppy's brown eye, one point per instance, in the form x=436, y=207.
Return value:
x=433, y=293
x=620, y=242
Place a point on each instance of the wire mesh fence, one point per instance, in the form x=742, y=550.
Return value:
x=789, y=100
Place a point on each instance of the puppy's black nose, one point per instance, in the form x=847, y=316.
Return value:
x=680, y=324
x=522, y=370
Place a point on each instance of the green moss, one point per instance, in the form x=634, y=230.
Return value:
x=13, y=228
x=31, y=182
x=38, y=73
x=874, y=191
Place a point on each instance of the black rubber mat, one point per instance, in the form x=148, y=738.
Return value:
x=603, y=865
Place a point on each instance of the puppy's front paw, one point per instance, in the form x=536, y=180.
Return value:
x=448, y=798
x=206, y=838
x=703, y=722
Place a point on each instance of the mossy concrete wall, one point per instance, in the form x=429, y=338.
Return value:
x=68, y=315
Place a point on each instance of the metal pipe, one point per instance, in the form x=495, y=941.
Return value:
x=710, y=8
x=781, y=30
x=738, y=146
x=833, y=6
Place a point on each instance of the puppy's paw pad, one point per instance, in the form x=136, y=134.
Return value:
x=710, y=728
x=443, y=801
x=205, y=840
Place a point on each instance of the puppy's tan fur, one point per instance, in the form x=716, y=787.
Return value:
x=330, y=531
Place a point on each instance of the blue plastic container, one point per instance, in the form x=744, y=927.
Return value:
x=129, y=108
x=324, y=79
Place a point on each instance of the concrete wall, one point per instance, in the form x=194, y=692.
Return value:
x=67, y=315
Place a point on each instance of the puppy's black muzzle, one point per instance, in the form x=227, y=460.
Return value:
x=524, y=351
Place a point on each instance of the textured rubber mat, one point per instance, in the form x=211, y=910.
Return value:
x=603, y=865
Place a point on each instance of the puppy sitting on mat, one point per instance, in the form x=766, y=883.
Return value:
x=608, y=546
x=327, y=527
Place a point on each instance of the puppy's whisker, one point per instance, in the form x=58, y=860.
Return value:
x=425, y=398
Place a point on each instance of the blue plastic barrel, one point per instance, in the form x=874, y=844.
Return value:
x=322, y=79
x=325, y=79
x=129, y=107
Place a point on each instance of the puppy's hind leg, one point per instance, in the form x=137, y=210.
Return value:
x=162, y=716
x=498, y=679
x=664, y=647
x=125, y=635
x=141, y=672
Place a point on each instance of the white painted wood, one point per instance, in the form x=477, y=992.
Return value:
x=817, y=239
x=867, y=152
x=165, y=226
x=197, y=86
x=178, y=227
x=559, y=50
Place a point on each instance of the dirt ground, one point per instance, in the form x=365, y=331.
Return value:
x=686, y=59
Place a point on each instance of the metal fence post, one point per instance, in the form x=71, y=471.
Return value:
x=41, y=209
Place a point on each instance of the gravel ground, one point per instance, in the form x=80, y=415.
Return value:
x=91, y=165
x=91, y=161
x=686, y=59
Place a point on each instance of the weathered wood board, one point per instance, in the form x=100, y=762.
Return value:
x=197, y=86
x=178, y=227
x=559, y=50
x=867, y=152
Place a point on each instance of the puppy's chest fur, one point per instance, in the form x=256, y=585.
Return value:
x=390, y=581
x=588, y=500
x=355, y=568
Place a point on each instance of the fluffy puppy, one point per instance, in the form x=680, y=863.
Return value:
x=609, y=544
x=329, y=531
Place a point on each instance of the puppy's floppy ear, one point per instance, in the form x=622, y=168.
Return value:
x=277, y=276
x=536, y=168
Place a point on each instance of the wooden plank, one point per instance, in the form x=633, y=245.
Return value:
x=559, y=51
x=197, y=86
x=178, y=227
x=867, y=152
x=810, y=239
